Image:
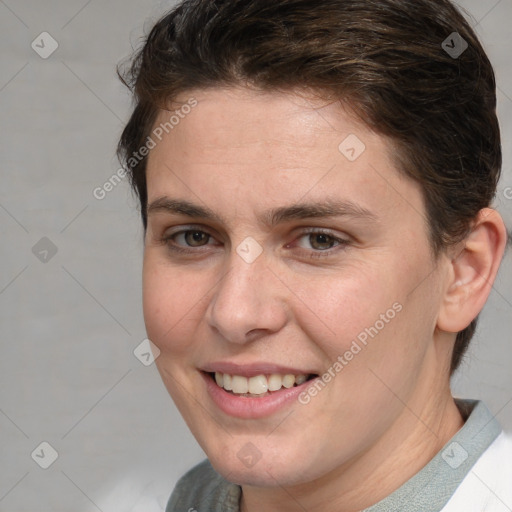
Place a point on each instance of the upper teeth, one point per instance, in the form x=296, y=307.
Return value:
x=259, y=384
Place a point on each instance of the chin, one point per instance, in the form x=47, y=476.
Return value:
x=247, y=465
x=260, y=475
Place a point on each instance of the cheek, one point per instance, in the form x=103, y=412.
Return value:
x=368, y=315
x=173, y=304
x=342, y=305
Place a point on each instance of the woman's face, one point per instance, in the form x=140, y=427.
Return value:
x=281, y=240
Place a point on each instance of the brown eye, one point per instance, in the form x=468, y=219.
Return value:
x=321, y=241
x=195, y=238
x=318, y=244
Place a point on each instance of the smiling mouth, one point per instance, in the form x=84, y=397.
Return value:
x=259, y=385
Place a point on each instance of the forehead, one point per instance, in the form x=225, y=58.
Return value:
x=225, y=118
x=261, y=149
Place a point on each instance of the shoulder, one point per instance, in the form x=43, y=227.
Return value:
x=488, y=486
x=202, y=488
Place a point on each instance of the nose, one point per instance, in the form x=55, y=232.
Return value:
x=248, y=303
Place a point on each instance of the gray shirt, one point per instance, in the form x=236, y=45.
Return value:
x=202, y=489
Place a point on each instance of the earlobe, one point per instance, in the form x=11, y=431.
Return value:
x=472, y=272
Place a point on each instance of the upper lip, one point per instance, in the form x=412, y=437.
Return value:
x=252, y=369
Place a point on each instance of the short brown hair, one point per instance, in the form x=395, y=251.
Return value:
x=389, y=60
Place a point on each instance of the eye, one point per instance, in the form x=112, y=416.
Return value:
x=187, y=241
x=192, y=238
x=319, y=241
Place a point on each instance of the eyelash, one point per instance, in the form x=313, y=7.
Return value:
x=340, y=243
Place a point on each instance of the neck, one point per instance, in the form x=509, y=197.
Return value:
x=426, y=423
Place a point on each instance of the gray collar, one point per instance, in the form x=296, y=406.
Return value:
x=202, y=489
x=431, y=488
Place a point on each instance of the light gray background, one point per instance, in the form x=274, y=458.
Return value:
x=68, y=327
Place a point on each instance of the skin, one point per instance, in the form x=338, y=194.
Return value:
x=389, y=411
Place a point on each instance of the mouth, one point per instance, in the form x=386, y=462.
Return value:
x=254, y=390
x=257, y=386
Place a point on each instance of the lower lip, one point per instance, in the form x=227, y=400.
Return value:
x=252, y=408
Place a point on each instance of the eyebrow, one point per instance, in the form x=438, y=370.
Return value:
x=304, y=210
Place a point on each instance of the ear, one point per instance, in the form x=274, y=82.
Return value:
x=472, y=272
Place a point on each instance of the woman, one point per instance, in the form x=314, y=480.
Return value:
x=315, y=181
